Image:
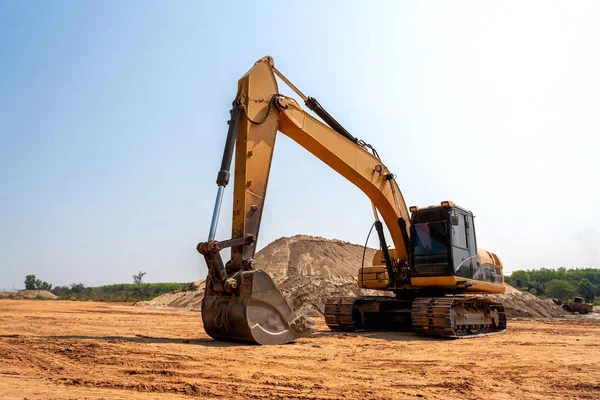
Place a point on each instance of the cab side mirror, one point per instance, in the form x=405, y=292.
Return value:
x=454, y=220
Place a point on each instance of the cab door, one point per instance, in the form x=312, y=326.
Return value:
x=463, y=252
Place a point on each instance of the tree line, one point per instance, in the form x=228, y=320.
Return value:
x=558, y=283
x=122, y=292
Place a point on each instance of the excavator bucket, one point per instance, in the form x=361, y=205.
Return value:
x=255, y=312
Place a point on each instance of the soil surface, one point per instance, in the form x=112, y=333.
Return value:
x=74, y=350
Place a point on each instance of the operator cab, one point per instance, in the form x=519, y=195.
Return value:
x=442, y=243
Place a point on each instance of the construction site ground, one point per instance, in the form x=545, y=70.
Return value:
x=74, y=350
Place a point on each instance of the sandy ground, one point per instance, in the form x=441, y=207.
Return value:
x=73, y=350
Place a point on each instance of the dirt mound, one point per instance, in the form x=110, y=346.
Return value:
x=308, y=270
x=188, y=297
x=29, y=294
x=523, y=304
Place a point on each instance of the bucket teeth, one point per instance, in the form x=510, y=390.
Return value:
x=302, y=325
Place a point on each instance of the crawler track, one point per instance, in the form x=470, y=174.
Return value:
x=457, y=317
x=339, y=314
x=448, y=317
x=368, y=313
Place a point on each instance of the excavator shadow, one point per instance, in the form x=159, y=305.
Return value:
x=395, y=336
x=207, y=342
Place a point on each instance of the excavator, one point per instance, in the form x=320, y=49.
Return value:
x=432, y=279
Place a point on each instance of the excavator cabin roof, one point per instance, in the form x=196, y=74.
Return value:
x=443, y=204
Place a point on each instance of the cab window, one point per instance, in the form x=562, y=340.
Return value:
x=459, y=233
x=430, y=238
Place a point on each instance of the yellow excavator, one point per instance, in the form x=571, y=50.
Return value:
x=433, y=270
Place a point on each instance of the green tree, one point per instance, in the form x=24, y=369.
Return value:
x=61, y=291
x=30, y=282
x=586, y=289
x=559, y=288
x=539, y=279
x=519, y=279
x=138, y=278
x=77, y=288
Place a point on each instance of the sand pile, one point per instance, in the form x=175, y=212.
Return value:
x=308, y=270
x=523, y=304
x=188, y=297
x=29, y=294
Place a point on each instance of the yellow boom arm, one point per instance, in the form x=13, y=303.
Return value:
x=263, y=112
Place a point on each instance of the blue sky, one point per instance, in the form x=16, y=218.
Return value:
x=113, y=117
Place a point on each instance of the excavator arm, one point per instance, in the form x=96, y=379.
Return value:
x=241, y=303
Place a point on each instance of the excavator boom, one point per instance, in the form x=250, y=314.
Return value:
x=264, y=112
